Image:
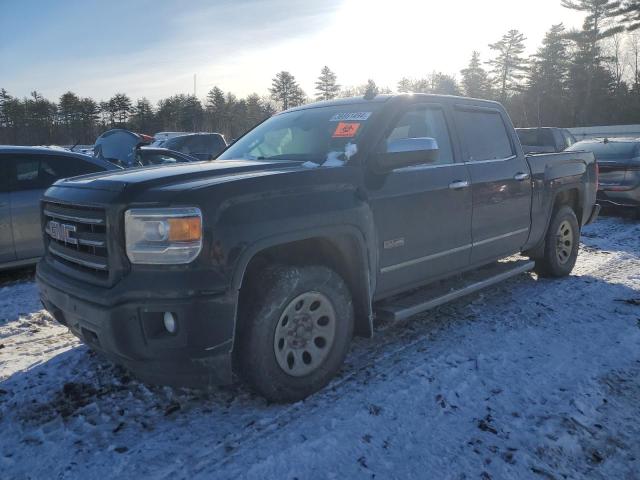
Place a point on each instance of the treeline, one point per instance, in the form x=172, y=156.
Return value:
x=580, y=77
x=35, y=120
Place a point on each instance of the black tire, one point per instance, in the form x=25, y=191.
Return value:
x=560, y=257
x=273, y=293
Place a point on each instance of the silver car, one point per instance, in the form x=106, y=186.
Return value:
x=25, y=173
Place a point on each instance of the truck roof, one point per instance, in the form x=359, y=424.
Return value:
x=382, y=98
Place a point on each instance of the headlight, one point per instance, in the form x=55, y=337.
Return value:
x=163, y=235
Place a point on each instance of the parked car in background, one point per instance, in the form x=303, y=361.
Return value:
x=204, y=146
x=545, y=139
x=129, y=150
x=619, y=162
x=25, y=173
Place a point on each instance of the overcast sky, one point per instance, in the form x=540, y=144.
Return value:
x=153, y=48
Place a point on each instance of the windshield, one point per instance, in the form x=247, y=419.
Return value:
x=318, y=135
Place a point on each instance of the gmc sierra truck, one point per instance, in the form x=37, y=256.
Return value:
x=265, y=262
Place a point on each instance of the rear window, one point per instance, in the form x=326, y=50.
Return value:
x=536, y=138
x=610, y=150
x=484, y=135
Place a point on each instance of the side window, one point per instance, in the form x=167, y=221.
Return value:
x=425, y=122
x=195, y=144
x=34, y=172
x=30, y=173
x=483, y=135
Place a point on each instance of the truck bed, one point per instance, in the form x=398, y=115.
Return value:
x=553, y=171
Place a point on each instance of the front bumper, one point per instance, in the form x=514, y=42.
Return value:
x=132, y=333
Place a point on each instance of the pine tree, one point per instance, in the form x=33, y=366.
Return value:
x=475, y=81
x=629, y=14
x=547, y=85
x=286, y=91
x=597, y=16
x=371, y=90
x=216, y=109
x=89, y=112
x=326, y=86
x=508, y=67
x=143, y=116
x=443, y=84
x=4, y=98
x=69, y=116
x=588, y=78
x=405, y=85
x=119, y=107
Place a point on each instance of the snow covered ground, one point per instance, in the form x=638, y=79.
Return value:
x=531, y=379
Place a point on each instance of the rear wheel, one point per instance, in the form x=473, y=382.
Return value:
x=295, y=335
x=561, y=245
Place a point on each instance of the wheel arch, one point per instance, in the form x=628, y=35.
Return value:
x=570, y=195
x=342, y=249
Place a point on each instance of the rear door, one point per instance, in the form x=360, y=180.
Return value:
x=30, y=176
x=422, y=213
x=7, y=250
x=501, y=183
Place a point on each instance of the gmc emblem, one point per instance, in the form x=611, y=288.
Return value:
x=61, y=232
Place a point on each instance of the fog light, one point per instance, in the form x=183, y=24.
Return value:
x=170, y=322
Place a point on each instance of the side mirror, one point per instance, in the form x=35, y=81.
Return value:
x=406, y=152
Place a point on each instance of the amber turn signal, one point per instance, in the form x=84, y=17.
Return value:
x=186, y=229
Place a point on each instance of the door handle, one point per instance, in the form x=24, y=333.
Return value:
x=458, y=184
x=521, y=177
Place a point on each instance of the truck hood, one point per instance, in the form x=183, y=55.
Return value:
x=168, y=175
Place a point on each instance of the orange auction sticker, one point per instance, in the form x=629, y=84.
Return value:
x=346, y=130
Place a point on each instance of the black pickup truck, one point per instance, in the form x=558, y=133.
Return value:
x=267, y=260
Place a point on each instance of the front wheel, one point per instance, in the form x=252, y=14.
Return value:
x=561, y=245
x=297, y=332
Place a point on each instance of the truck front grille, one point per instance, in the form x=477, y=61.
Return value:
x=77, y=238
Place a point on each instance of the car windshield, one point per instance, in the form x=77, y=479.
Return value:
x=318, y=135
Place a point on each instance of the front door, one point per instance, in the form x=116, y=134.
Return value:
x=501, y=183
x=28, y=179
x=7, y=251
x=422, y=213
